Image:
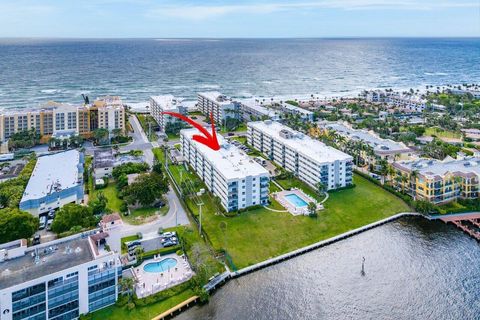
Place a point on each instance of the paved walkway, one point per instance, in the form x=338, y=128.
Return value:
x=275, y=210
x=457, y=216
x=137, y=129
x=277, y=184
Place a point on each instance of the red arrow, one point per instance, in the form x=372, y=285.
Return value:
x=210, y=140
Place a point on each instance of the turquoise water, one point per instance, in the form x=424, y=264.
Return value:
x=161, y=266
x=296, y=200
x=33, y=71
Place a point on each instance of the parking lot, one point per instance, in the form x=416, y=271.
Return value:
x=164, y=240
x=241, y=146
x=11, y=169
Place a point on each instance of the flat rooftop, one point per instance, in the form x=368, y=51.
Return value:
x=216, y=96
x=378, y=144
x=48, y=106
x=167, y=102
x=433, y=167
x=109, y=102
x=269, y=112
x=53, y=258
x=311, y=148
x=53, y=173
x=296, y=109
x=230, y=161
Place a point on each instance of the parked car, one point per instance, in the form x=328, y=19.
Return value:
x=168, y=243
x=169, y=234
x=231, y=134
x=36, y=239
x=43, y=222
x=51, y=214
x=49, y=224
x=159, y=204
x=133, y=244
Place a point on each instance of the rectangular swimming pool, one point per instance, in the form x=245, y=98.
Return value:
x=296, y=200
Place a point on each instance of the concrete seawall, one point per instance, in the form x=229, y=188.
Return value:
x=224, y=277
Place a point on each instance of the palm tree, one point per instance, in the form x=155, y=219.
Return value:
x=413, y=182
x=312, y=209
x=404, y=180
x=138, y=253
x=320, y=188
x=127, y=285
x=218, y=203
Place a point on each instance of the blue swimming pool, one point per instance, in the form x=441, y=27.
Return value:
x=160, y=266
x=296, y=200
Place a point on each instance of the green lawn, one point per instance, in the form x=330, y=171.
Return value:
x=345, y=210
x=242, y=140
x=280, y=232
x=274, y=188
x=144, y=120
x=241, y=128
x=172, y=136
x=141, y=313
x=110, y=192
x=143, y=215
x=440, y=133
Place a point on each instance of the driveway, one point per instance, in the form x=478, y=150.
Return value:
x=176, y=215
x=139, y=142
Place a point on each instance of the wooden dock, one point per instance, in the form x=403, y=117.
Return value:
x=178, y=308
x=467, y=222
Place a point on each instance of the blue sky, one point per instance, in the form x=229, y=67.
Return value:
x=260, y=18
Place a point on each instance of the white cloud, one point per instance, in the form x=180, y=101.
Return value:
x=202, y=12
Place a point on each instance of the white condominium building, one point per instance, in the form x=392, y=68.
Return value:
x=311, y=160
x=409, y=102
x=297, y=111
x=159, y=104
x=61, y=279
x=220, y=105
x=255, y=109
x=376, y=96
x=228, y=173
x=383, y=148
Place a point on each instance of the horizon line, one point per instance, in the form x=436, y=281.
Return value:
x=241, y=38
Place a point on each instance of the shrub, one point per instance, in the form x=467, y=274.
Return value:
x=123, y=207
x=425, y=207
x=122, y=300
x=131, y=306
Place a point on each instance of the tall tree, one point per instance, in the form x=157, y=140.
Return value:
x=73, y=215
x=16, y=224
x=146, y=189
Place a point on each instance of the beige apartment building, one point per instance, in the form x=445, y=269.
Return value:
x=105, y=112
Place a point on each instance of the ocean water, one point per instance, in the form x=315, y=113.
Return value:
x=33, y=71
x=414, y=269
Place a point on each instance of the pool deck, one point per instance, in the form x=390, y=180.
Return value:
x=152, y=282
x=281, y=197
